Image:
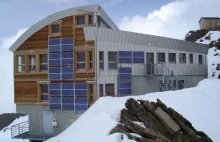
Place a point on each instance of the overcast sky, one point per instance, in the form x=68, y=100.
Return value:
x=171, y=18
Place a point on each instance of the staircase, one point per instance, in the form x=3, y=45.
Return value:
x=163, y=76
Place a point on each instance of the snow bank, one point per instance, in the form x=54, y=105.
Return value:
x=199, y=105
x=215, y=35
x=212, y=62
x=6, y=136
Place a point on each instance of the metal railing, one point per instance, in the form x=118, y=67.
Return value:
x=164, y=77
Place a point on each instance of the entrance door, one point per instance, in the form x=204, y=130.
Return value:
x=150, y=63
x=47, y=122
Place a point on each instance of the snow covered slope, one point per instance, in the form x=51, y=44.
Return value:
x=200, y=105
x=214, y=36
x=5, y=136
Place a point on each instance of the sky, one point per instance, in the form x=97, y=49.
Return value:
x=170, y=18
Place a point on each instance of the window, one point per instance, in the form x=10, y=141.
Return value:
x=101, y=93
x=109, y=89
x=44, y=92
x=172, y=57
x=90, y=20
x=182, y=57
x=43, y=62
x=32, y=63
x=55, y=28
x=91, y=93
x=200, y=59
x=80, y=20
x=81, y=60
x=161, y=57
x=112, y=60
x=181, y=84
x=101, y=60
x=90, y=60
x=21, y=63
x=191, y=58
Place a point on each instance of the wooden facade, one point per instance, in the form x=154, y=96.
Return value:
x=27, y=83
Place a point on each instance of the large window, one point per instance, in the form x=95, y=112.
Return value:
x=101, y=60
x=112, y=60
x=43, y=62
x=101, y=93
x=200, y=59
x=21, y=63
x=109, y=89
x=182, y=57
x=80, y=20
x=32, y=63
x=191, y=58
x=91, y=67
x=44, y=92
x=81, y=60
x=161, y=57
x=172, y=57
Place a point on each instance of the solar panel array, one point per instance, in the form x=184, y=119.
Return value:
x=125, y=77
x=68, y=96
x=131, y=57
x=61, y=59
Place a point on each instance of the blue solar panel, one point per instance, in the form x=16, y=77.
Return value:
x=67, y=69
x=125, y=54
x=67, y=41
x=125, y=91
x=139, y=54
x=81, y=92
x=68, y=107
x=67, y=61
x=55, y=106
x=68, y=100
x=55, y=100
x=54, y=48
x=68, y=76
x=81, y=100
x=125, y=60
x=68, y=86
x=68, y=92
x=54, y=77
x=125, y=76
x=54, y=56
x=54, y=62
x=138, y=60
x=67, y=47
x=81, y=107
x=54, y=69
x=125, y=85
x=80, y=86
x=67, y=55
x=54, y=86
x=125, y=70
x=55, y=92
x=54, y=41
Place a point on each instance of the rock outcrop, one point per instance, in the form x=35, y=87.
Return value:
x=155, y=122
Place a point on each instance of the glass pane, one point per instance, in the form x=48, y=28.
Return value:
x=182, y=58
x=90, y=56
x=32, y=68
x=101, y=65
x=32, y=59
x=43, y=67
x=200, y=59
x=90, y=20
x=112, y=65
x=191, y=58
x=21, y=68
x=81, y=56
x=21, y=59
x=112, y=56
x=44, y=88
x=101, y=89
x=90, y=66
x=101, y=56
x=172, y=57
x=44, y=97
x=161, y=57
x=81, y=66
x=109, y=88
x=43, y=58
x=80, y=20
x=55, y=28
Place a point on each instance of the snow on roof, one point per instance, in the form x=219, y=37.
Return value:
x=199, y=105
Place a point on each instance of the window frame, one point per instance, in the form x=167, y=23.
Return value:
x=80, y=62
x=101, y=62
x=101, y=90
x=200, y=59
x=40, y=94
x=184, y=62
x=76, y=20
x=112, y=88
x=91, y=61
x=42, y=64
x=169, y=55
x=190, y=59
x=113, y=62
x=30, y=64
x=92, y=20
x=51, y=34
x=164, y=57
x=18, y=65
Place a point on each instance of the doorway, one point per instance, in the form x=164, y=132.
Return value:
x=149, y=63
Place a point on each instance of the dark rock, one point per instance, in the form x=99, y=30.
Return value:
x=216, y=54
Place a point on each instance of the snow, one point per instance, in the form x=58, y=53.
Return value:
x=6, y=136
x=212, y=62
x=215, y=35
x=199, y=105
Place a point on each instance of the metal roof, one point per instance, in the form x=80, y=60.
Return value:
x=124, y=37
x=59, y=15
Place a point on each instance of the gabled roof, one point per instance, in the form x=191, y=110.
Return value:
x=209, y=18
x=59, y=15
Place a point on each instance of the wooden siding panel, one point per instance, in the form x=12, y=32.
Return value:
x=26, y=92
x=31, y=77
